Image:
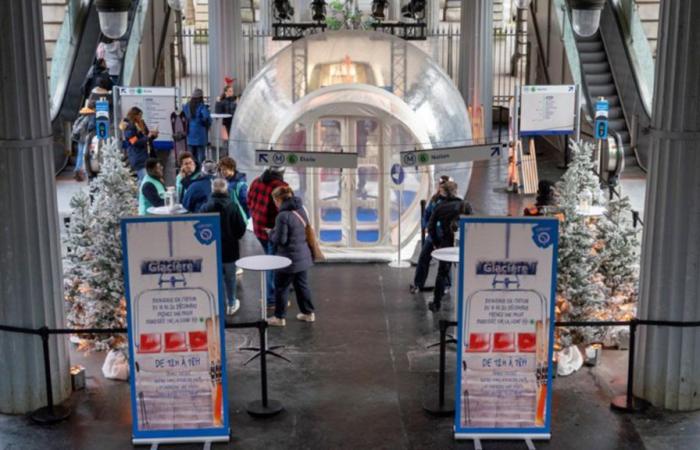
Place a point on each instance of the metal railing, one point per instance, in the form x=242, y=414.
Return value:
x=511, y=57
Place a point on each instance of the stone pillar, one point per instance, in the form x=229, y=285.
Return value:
x=394, y=10
x=225, y=46
x=667, y=373
x=433, y=15
x=266, y=17
x=31, y=279
x=476, y=57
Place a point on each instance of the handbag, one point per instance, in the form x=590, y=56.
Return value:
x=316, y=253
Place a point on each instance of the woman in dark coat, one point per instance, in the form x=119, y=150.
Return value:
x=138, y=139
x=289, y=238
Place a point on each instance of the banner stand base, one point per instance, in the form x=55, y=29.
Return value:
x=397, y=264
x=257, y=409
x=433, y=407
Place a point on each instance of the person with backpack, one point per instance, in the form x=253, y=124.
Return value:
x=289, y=238
x=198, y=123
x=442, y=229
x=199, y=191
x=232, y=230
x=237, y=184
x=423, y=265
x=81, y=133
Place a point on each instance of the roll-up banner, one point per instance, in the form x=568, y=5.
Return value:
x=507, y=284
x=174, y=292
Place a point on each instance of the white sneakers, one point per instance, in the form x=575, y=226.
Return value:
x=233, y=309
x=306, y=317
x=276, y=322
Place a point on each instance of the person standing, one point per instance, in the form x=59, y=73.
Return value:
x=152, y=188
x=423, y=265
x=237, y=184
x=187, y=174
x=289, y=239
x=226, y=104
x=232, y=230
x=199, y=190
x=264, y=212
x=138, y=141
x=112, y=51
x=442, y=231
x=198, y=123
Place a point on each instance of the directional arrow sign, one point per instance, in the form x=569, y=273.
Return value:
x=451, y=155
x=306, y=159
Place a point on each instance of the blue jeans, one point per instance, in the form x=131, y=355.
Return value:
x=300, y=281
x=269, y=275
x=230, y=282
x=80, y=160
x=199, y=152
x=423, y=265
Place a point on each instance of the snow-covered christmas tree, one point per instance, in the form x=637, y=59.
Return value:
x=619, y=250
x=100, y=302
x=76, y=265
x=580, y=290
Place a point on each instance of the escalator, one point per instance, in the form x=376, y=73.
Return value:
x=614, y=63
x=599, y=82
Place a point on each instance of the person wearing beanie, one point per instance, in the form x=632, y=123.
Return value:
x=264, y=212
x=198, y=123
x=200, y=189
x=232, y=230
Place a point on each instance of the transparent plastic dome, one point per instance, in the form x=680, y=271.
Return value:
x=389, y=93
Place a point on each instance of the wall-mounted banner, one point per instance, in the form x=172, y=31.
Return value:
x=306, y=159
x=548, y=110
x=507, y=283
x=450, y=155
x=172, y=267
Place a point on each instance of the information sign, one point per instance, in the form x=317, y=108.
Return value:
x=548, y=110
x=306, y=159
x=507, y=283
x=172, y=267
x=601, y=118
x=397, y=174
x=157, y=104
x=450, y=155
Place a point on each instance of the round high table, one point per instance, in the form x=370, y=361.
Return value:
x=262, y=263
x=165, y=211
x=219, y=118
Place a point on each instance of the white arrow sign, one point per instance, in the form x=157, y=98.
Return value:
x=451, y=155
x=306, y=159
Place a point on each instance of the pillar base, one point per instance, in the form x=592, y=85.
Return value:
x=48, y=415
x=620, y=404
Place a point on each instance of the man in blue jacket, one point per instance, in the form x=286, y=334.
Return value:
x=200, y=189
x=198, y=123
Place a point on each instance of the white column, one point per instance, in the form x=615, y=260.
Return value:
x=394, y=10
x=31, y=279
x=266, y=18
x=225, y=46
x=476, y=57
x=668, y=359
x=433, y=14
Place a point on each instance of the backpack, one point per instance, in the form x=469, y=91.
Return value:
x=79, y=126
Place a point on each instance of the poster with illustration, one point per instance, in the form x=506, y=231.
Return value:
x=172, y=267
x=507, y=283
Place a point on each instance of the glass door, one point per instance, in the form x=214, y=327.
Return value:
x=367, y=182
x=331, y=196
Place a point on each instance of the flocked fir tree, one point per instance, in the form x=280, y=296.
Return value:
x=101, y=303
x=581, y=293
x=619, y=250
x=76, y=264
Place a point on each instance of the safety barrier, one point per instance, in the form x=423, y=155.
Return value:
x=623, y=403
x=54, y=413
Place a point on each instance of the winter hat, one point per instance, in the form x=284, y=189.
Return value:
x=209, y=167
x=197, y=93
x=229, y=81
x=277, y=169
x=86, y=109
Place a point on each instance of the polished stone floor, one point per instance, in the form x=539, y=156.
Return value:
x=359, y=375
